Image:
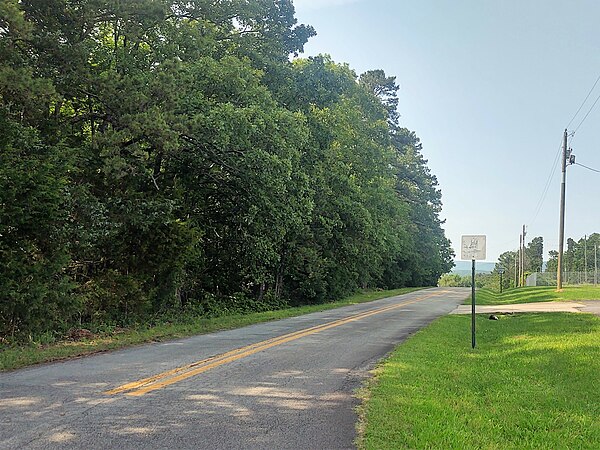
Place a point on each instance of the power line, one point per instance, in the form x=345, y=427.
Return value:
x=571, y=137
x=586, y=167
x=506, y=243
x=540, y=202
x=571, y=159
x=583, y=102
x=587, y=114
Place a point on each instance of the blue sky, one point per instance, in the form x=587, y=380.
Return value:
x=488, y=86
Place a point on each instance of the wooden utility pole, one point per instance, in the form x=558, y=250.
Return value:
x=596, y=263
x=585, y=258
x=516, y=271
x=561, y=228
x=520, y=259
x=523, y=258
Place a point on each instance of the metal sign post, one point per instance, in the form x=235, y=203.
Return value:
x=473, y=247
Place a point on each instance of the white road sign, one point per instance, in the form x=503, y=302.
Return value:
x=473, y=247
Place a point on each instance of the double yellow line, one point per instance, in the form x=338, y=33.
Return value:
x=161, y=380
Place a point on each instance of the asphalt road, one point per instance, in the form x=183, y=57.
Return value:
x=287, y=384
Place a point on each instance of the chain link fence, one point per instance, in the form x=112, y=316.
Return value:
x=569, y=278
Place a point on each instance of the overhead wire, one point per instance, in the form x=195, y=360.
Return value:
x=571, y=137
x=587, y=114
x=540, y=202
x=583, y=102
x=586, y=167
x=506, y=243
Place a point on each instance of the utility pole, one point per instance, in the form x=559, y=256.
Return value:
x=561, y=229
x=523, y=258
x=516, y=271
x=595, y=264
x=585, y=257
x=520, y=258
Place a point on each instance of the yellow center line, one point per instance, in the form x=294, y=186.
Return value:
x=161, y=380
x=145, y=381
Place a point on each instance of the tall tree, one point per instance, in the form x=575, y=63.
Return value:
x=430, y=255
x=385, y=89
x=506, y=261
x=534, y=255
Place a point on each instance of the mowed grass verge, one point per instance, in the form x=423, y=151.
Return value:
x=532, y=382
x=14, y=357
x=535, y=294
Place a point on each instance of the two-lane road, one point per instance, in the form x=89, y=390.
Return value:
x=279, y=385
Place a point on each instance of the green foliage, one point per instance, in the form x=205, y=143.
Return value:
x=509, y=262
x=579, y=256
x=482, y=280
x=160, y=156
x=33, y=248
x=455, y=280
x=534, y=255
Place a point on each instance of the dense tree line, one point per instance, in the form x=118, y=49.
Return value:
x=579, y=255
x=508, y=263
x=533, y=261
x=160, y=155
x=482, y=280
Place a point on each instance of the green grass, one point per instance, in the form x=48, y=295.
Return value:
x=535, y=294
x=13, y=357
x=532, y=382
